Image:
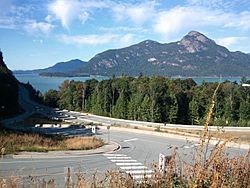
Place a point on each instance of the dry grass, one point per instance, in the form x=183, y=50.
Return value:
x=83, y=143
x=13, y=142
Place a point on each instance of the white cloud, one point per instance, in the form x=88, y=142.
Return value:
x=96, y=3
x=33, y=26
x=211, y=3
x=180, y=19
x=114, y=39
x=241, y=21
x=40, y=41
x=230, y=41
x=65, y=11
x=7, y=23
x=83, y=17
x=11, y=15
x=49, y=18
x=127, y=39
x=137, y=13
x=123, y=29
x=219, y=4
x=87, y=39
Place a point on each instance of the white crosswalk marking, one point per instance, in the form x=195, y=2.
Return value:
x=136, y=169
x=119, y=157
x=119, y=161
x=115, y=155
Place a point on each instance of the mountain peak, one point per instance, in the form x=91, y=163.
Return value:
x=149, y=42
x=196, y=42
x=194, y=33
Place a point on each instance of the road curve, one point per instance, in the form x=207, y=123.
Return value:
x=114, y=121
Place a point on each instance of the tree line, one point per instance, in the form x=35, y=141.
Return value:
x=155, y=99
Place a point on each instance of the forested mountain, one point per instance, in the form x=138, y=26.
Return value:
x=8, y=92
x=68, y=67
x=193, y=55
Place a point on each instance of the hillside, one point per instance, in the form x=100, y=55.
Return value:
x=61, y=68
x=68, y=66
x=9, y=91
x=193, y=55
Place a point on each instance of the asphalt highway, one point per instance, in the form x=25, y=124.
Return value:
x=84, y=117
x=136, y=155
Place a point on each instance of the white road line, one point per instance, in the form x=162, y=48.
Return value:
x=34, y=161
x=139, y=172
x=118, y=157
x=111, y=154
x=118, y=161
x=142, y=176
x=129, y=140
x=128, y=164
x=133, y=167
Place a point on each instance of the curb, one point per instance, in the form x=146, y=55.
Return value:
x=112, y=147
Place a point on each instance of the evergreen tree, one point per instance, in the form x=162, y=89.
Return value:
x=145, y=109
x=173, y=110
x=193, y=112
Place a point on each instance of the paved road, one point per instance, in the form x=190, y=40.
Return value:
x=138, y=151
x=29, y=107
x=113, y=121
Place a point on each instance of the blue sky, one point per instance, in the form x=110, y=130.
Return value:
x=39, y=33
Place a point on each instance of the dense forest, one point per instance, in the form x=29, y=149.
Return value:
x=155, y=99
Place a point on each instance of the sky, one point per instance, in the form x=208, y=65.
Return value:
x=39, y=33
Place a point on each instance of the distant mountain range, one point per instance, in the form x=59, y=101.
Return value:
x=68, y=68
x=194, y=55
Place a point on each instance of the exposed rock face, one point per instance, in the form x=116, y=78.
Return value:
x=196, y=42
x=194, y=55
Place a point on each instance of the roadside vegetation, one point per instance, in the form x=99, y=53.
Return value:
x=156, y=99
x=11, y=142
